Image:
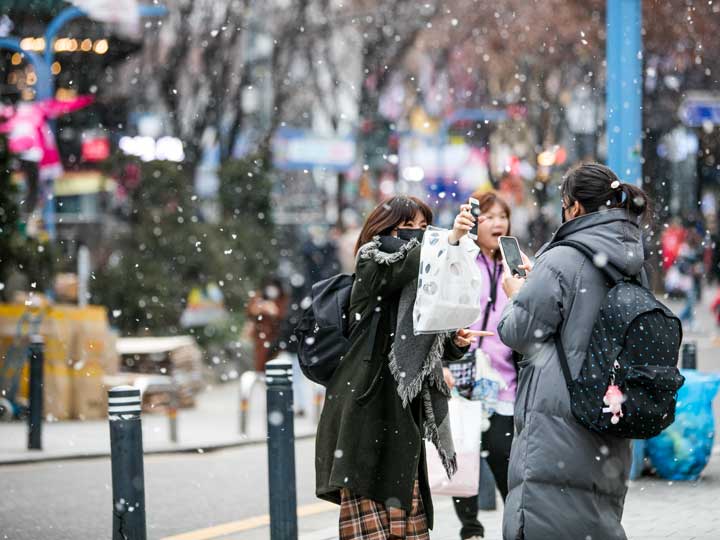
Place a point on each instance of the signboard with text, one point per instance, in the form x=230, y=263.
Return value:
x=297, y=149
x=699, y=109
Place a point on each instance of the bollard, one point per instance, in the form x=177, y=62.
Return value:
x=689, y=355
x=37, y=359
x=172, y=415
x=244, y=405
x=126, y=452
x=281, y=450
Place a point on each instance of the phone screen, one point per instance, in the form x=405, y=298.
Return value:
x=511, y=253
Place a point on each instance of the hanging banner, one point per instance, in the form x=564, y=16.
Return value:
x=123, y=13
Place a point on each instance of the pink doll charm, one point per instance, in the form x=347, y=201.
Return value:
x=613, y=399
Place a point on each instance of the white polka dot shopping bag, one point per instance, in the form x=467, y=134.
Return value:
x=449, y=284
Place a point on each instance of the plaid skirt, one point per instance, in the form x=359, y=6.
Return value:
x=364, y=519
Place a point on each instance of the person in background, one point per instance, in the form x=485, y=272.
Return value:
x=347, y=239
x=689, y=263
x=497, y=440
x=267, y=310
x=388, y=392
x=320, y=255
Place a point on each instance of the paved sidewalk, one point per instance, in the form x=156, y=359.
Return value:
x=212, y=424
x=654, y=509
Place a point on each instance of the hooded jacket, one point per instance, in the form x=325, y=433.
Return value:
x=565, y=482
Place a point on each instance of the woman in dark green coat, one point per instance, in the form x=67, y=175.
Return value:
x=388, y=392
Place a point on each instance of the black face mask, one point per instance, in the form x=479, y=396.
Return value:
x=562, y=215
x=409, y=234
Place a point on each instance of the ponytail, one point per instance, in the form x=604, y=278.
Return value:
x=598, y=188
x=634, y=200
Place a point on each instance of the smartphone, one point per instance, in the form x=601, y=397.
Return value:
x=475, y=211
x=510, y=250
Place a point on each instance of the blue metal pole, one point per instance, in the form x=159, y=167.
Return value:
x=624, y=88
x=42, y=69
x=43, y=90
x=624, y=113
x=64, y=17
x=71, y=13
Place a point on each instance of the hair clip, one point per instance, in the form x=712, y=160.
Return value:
x=615, y=184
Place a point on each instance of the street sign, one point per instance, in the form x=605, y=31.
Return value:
x=297, y=149
x=699, y=109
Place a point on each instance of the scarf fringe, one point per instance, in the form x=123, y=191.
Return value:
x=432, y=434
x=409, y=390
x=371, y=250
x=430, y=377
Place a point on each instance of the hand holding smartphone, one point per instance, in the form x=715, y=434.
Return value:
x=510, y=250
x=475, y=211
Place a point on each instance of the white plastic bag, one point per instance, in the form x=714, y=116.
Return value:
x=466, y=424
x=448, y=295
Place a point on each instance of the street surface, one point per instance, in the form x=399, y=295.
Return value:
x=223, y=495
x=185, y=493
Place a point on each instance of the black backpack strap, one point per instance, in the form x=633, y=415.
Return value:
x=611, y=272
x=563, y=359
x=374, y=323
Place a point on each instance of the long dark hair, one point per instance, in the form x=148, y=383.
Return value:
x=389, y=214
x=596, y=187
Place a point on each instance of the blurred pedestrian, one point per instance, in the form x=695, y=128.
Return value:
x=320, y=255
x=566, y=482
x=690, y=265
x=496, y=441
x=347, y=240
x=388, y=391
x=266, y=311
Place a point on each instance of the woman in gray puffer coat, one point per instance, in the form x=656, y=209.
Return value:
x=566, y=482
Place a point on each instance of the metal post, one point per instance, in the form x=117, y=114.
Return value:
x=281, y=450
x=37, y=359
x=244, y=405
x=172, y=415
x=689, y=355
x=71, y=13
x=126, y=451
x=83, y=271
x=43, y=88
x=624, y=88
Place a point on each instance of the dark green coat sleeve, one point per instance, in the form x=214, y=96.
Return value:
x=387, y=273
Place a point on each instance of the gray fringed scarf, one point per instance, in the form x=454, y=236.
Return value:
x=416, y=361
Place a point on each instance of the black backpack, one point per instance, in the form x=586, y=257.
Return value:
x=324, y=331
x=634, y=344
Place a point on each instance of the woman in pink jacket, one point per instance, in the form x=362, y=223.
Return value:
x=497, y=439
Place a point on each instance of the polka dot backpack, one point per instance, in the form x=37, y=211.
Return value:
x=628, y=383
